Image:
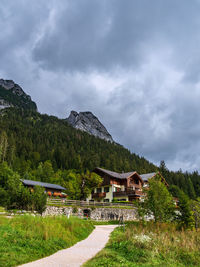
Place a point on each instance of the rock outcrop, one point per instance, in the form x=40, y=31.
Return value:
x=4, y=104
x=12, y=95
x=89, y=123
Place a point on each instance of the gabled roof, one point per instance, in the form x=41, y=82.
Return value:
x=116, y=174
x=46, y=185
x=147, y=176
x=123, y=175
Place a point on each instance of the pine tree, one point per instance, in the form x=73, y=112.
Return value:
x=191, y=191
x=185, y=218
x=3, y=146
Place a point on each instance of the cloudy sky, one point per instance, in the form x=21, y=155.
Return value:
x=135, y=64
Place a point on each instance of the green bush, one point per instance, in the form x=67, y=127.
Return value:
x=39, y=199
x=15, y=196
x=74, y=209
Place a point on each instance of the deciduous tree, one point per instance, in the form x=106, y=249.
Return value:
x=158, y=201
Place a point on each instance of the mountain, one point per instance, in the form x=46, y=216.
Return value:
x=86, y=121
x=12, y=95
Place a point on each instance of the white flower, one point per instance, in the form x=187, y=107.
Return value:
x=142, y=238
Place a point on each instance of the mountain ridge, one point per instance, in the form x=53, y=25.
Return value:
x=12, y=95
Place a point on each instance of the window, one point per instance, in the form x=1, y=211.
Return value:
x=99, y=190
x=136, y=181
x=106, y=189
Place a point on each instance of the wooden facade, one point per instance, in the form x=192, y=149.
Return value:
x=122, y=186
x=127, y=185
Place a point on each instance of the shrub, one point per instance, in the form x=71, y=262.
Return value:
x=74, y=210
x=40, y=199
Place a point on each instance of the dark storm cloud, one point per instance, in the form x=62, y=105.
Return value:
x=134, y=63
x=105, y=34
x=20, y=24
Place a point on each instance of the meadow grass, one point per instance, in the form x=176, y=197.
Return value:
x=27, y=238
x=149, y=245
x=2, y=209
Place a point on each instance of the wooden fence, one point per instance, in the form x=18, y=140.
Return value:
x=80, y=203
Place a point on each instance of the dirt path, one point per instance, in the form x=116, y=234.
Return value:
x=78, y=254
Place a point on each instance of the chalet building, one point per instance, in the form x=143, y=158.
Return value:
x=122, y=186
x=50, y=189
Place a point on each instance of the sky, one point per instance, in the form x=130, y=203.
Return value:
x=135, y=64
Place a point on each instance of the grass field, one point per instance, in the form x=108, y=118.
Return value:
x=150, y=245
x=2, y=209
x=27, y=238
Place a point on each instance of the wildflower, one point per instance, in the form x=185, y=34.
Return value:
x=142, y=238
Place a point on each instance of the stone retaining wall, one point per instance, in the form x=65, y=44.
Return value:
x=106, y=214
x=98, y=214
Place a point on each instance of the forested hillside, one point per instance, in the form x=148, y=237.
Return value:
x=33, y=137
x=46, y=148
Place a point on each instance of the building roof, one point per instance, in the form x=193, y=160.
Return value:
x=144, y=177
x=123, y=175
x=46, y=185
x=147, y=176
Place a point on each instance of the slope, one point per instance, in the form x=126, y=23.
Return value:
x=37, y=137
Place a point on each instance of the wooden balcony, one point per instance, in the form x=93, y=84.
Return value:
x=128, y=192
x=99, y=195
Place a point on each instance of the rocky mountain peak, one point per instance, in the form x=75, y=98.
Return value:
x=12, y=95
x=7, y=84
x=88, y=122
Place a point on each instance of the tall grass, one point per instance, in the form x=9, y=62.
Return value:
x=150, y=245
x=27, y=238
x=2, y=209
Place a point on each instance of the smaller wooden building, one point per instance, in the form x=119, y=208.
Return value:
x=50, y=189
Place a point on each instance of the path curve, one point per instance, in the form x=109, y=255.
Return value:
x=81, y=252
